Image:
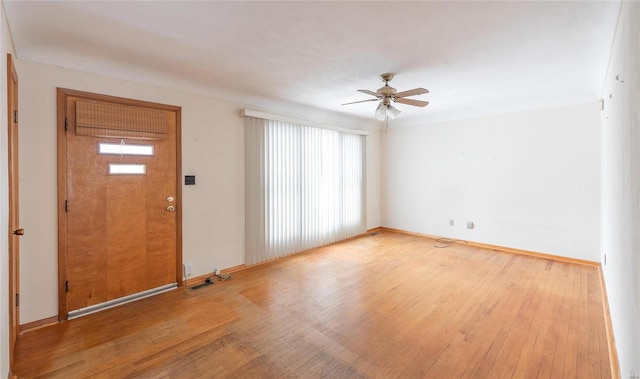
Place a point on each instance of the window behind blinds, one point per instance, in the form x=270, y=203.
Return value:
x=305, y=187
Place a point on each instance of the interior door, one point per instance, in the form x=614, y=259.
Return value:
x=14, y=212
x=122, y=203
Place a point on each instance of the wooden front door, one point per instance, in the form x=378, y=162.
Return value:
x=121, y=203
x=14, y=212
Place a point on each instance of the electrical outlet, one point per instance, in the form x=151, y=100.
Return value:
x=470, y=225
x=188, y=267
x=451, y=222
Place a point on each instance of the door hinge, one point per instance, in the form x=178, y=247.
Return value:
x=17, y=300
x=66, y=286
x=15, y=117
x=66, y=205
x=601, y=104
x=66, y=124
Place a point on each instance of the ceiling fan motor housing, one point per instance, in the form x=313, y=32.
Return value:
x=387, y=91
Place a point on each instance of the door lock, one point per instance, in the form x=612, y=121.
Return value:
x=171, y=208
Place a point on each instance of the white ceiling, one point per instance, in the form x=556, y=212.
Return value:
x=475, y=57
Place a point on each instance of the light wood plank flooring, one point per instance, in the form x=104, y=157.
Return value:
x=380, y=306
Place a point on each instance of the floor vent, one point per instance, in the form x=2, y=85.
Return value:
x=205, y=284
x=374, y=234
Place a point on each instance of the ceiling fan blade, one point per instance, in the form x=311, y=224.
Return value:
x=415, y=103
x=412, y=92
x=361, y=101
x=370, y=93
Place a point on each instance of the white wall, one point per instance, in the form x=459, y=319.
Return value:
x=212, y=149
x=374, y=209
x=527, y=180
x=621, y=188
x=6, y=46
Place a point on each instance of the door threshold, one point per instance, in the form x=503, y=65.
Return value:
x=119, y=301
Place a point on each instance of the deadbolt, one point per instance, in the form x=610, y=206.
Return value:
x=18, y=232
x=171, y=208
x=170, y=199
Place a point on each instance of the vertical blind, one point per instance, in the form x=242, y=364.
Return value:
x=304, y=187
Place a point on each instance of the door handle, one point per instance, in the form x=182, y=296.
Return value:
x=171, y=208
x=18, y=232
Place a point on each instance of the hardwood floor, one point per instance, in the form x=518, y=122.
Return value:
x=380, y=306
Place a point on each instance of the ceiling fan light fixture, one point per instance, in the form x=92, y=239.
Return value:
x=393, y=112
x=386, y=111
x=381, y=112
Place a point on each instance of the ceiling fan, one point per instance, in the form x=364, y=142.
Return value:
x=387, y=94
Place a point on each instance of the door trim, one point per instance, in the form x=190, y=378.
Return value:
x=14, y=213
x=62, y=94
